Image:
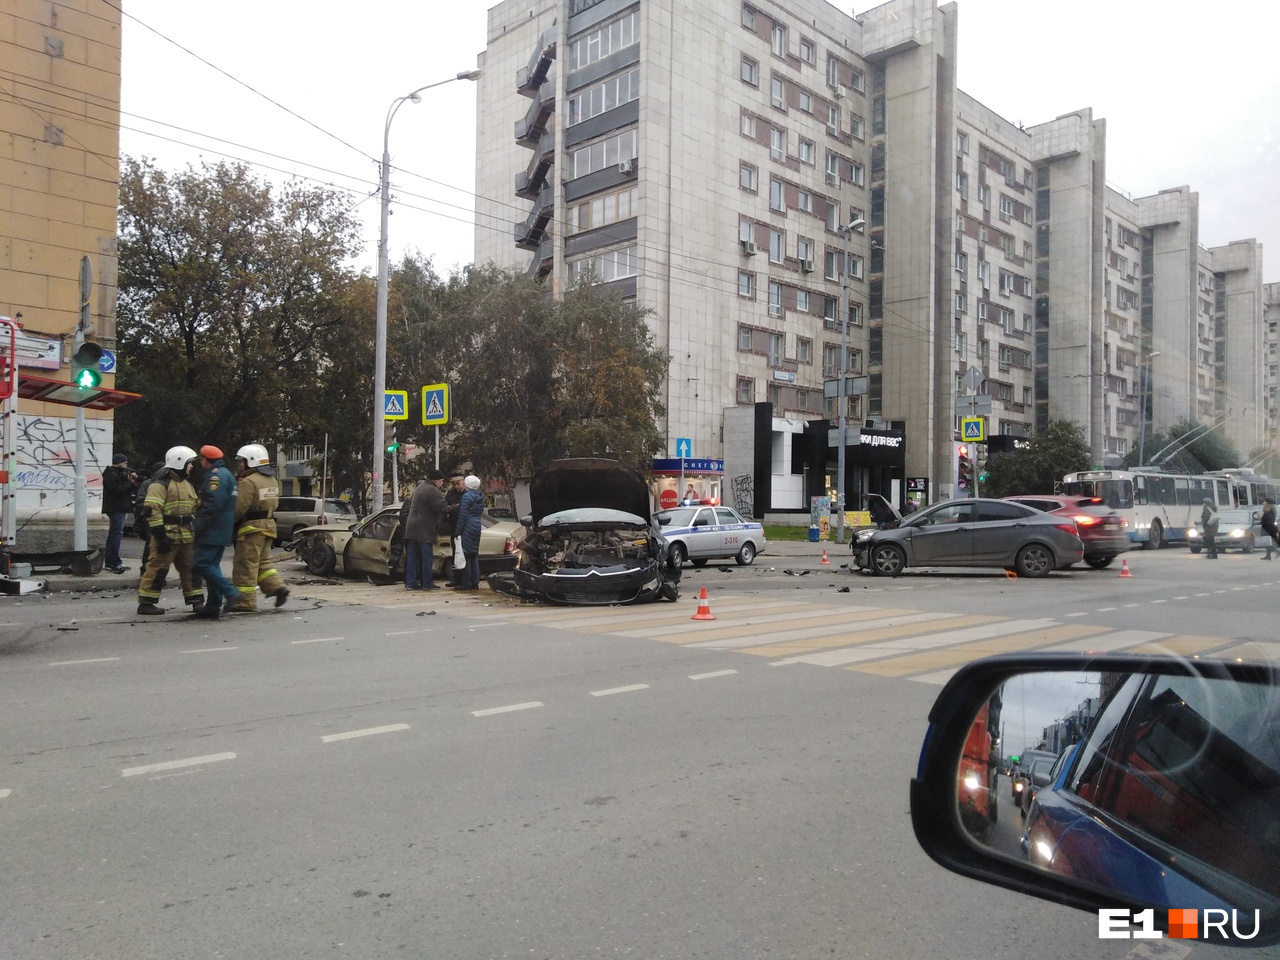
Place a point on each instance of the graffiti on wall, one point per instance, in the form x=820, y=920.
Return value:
x=45, y=468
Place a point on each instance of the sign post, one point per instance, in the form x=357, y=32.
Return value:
x=435, y=410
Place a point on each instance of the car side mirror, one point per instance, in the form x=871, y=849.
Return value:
x=1166, y=796
x=527, y=521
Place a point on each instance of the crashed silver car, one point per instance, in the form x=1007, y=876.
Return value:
x=591, y=538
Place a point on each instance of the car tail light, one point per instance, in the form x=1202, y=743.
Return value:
x=1084, y=520
x=322, y=520
x=510, y=546
x=1068, y=528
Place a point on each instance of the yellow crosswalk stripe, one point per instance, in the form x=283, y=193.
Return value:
x=710, y=631
x=1180, y=646
x=853, y=637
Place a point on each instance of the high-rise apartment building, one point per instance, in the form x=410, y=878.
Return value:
x=795, y=192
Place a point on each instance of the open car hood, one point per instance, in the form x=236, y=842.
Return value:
x=588, y=482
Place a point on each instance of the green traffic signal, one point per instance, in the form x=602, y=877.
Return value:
x=393, y=447
x=85, y=370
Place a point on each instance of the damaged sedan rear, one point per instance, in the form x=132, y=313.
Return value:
x=591, y=538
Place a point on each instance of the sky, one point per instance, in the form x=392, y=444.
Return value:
x=302, y=88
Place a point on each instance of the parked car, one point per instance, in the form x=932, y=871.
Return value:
x=295, y=513
x=591, y=538
x=972, y=533
x=702, y=533
x=1239, y=528
x=373, y=547
x=1101, y=529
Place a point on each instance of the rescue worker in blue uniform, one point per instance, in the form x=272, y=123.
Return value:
x=214, y=528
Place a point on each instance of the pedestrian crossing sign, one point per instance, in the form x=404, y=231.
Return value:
x=973, y=429
x=435, y=404
x=395, y=405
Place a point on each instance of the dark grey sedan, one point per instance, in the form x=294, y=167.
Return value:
x=972, y=533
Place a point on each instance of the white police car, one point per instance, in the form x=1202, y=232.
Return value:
x=702, y=532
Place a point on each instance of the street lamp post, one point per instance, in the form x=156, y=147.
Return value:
x=1144, y=376
x=380, y=343
x=855, y=224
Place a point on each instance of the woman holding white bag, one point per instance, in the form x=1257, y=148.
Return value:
x=467, y=529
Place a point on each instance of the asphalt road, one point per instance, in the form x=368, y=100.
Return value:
x=369, y=773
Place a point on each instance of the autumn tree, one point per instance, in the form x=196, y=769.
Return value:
x=225, y=289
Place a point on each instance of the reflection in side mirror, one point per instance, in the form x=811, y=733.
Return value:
x=1111, y=781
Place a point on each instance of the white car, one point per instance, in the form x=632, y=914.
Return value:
x=702, y=533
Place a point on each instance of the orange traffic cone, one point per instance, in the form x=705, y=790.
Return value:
x=1124, y=569
x=704, y=608
x=824, y=557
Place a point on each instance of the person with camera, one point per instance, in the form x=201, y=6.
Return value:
x=118, y=486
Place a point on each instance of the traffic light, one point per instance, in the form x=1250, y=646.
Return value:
x=393, y=445
x=964, y=470
x=85, y=370
x=983, y=474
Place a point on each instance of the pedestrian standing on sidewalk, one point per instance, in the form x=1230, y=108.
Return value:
x=450, y=524
x=421, y=527
x=1268, y=523
x=118, y=486
x=214, y=527
x=470, y=507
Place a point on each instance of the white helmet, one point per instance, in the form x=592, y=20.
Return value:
x=177, y=458
x=254, y=454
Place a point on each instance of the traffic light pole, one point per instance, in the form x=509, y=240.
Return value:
x=80, y=488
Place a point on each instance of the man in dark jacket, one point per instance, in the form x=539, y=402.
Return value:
x=214, y=527
x=118, y=485
x=1269, y=527
x=421, y=527
x=1209, y=522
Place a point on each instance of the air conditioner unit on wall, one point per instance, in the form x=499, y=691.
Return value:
x=748, y=248
x=625, y=166
x=807, y=265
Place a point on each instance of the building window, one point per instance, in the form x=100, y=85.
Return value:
x=747, y=177
x=778, y=40
x=962, y=263
x=775, y=349
x=831, y=265
x=855, y=314
x=807, y=51
x=775, y=299
x=776, y=202
x=804, y=201
x=833, y=168
x=744, y=339
x=613, y=265
x=605, y=40
x=855, y=267
x=749, y=17
x=749, y=126
x=805, y=151
x=806, y=101
x=960, y=304
x=778, y=93
x=857, y=81
x=777, y=144
x=1006, y=208
x=962, y=185
x=857, y=127
x=776, y=246
x=830, y=309
x=600, y=211
x=833, y=71
x=804, y=250
x=804, y=350
x=746, y=284
x=802, y=301
x=962, y=143
x=604, y=97
x=961, y=345
x=603, y=153
x=830, y=360
x=833, y=118
x=746, y=390
x=856, y=175
x=750, y=72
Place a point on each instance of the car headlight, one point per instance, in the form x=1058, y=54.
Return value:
x=1192, y=533
x=864, y=536
x=1237, y=533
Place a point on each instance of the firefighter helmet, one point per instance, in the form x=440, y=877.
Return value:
x=254, y=455
x=177, y=458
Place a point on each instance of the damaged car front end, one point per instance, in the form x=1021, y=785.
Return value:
x=591, y=538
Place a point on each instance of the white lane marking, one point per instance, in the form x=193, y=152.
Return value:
x=1131, y=604
x=1080, y=614
x=67, y=663
x=367, y=732
x=630, y=689
x=1182, y=598
x=1220, y=591
x=849, y=630
x=493, y=623
x=1159, y=601
x=210, y=649
x=1204, y=594
x=1104, y=609
x=176, y=764
x=319, y=640
x=1234, y=589
x=715, y=673
x=406, y=633
x=507, y=709
x=5, y=792
x=929, y=641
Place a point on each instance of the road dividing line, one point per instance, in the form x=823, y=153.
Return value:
x=1082, y=613
x=5, y=792
x=68, y=663
x=319, y=640
x=210, y=649
x=1109, y=609
x=630, y=689
x=717, y=673
x=512, y=708
x=368, y=732
x=176, y=764
x=406, y=633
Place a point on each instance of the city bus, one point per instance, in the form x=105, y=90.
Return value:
x=1249, y=489
x=1159, y=506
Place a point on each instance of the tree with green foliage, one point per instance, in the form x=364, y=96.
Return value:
x=1206, y=450
x=1059, y=450
x=225, y=288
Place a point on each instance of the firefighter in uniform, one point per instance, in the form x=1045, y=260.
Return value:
x=170, y=507
x=255, y=530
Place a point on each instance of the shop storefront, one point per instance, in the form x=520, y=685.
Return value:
x=686, y=480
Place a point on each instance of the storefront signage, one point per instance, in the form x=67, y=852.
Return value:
x=688, y=465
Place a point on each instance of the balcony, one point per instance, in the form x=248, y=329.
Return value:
x=530, y=78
